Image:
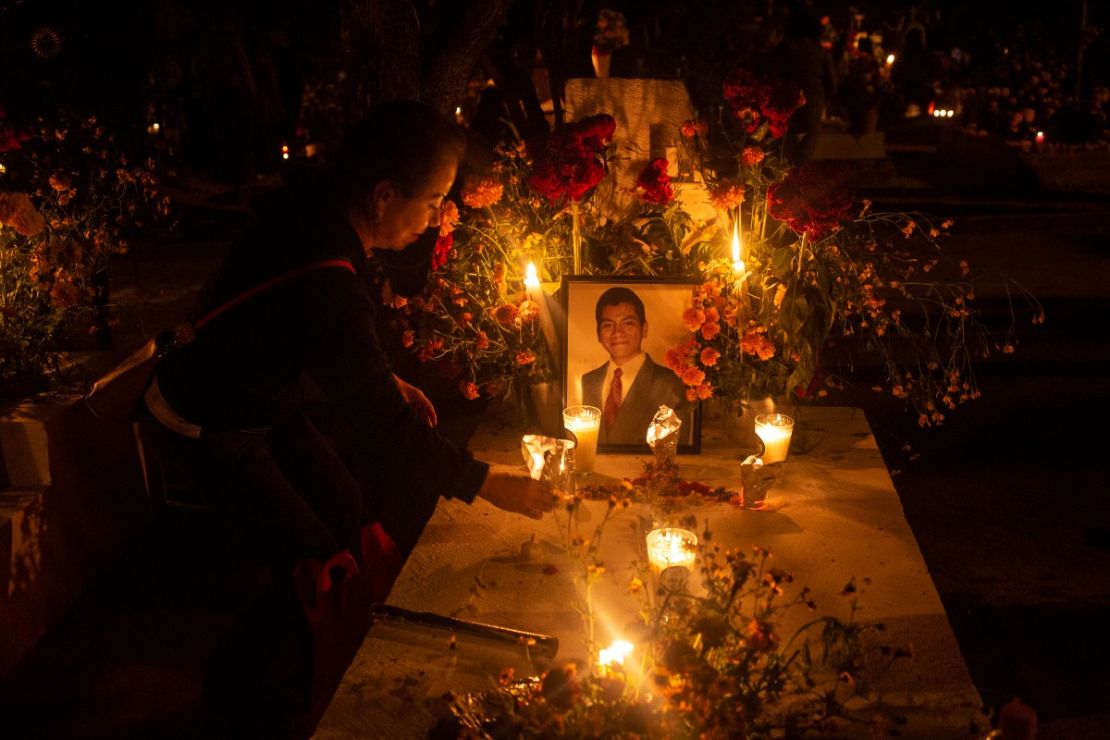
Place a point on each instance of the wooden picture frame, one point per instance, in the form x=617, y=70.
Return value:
x=586, y=360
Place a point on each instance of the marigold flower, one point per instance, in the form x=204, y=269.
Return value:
x=408, y=338
x=525, y=357
x=756, y=344
x=690, y=129
x=442, y=251
x=751, y=156
x=448, y=217
x=704, y=391
x=727, y=195
x=479, y=192
x=60, y=181
x=505, y=314
x=469, y=389
x=693, y=376
x=693, y=318
x=482, y=342
x=64, y=293
x=710, y=330
x=709, y=357
x=675, y=360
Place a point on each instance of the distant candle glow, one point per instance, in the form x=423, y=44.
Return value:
x=285, y=151
x=531, y=278
x=1040, y=137
x=889, y=59
x=614, y=654
x=737, y=254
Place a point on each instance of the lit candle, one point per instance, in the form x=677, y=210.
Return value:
x=583, y=422
x=890, y=60
x=671, y=548
x=775, y=431
x=615, y=654
x=1040, y=138
x=737, y=252
x=535, y=294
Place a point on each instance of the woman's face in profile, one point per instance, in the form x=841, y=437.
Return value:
x=405, y=218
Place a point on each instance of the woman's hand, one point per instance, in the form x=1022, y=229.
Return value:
x=415, y=398
x=511, y=489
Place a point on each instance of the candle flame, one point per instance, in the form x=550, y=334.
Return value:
x=889, y=59
x=531, y=278
x=737, y=257
x=615, y=653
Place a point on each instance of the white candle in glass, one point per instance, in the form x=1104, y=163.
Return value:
x=583, y=422
x=775, y=431
x=671, y=547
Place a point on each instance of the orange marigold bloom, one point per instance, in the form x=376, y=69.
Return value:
x=693, y=318
x=727, y=195
x=408, y=338
x=525, y=357
x=690, y=129
x=483, y=341
x=704, y=391
x=693, y=376
x=505, y=314
x=710, y=330
x=752, y=156
x=675, y=360
x=60, y=181
x=754, y=343
x=709, y=357
x=448, y=217
x=480, y=192
x=468, y=389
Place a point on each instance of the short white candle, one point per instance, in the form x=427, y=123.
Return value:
x=775, y=431
x=671, y=547
x=583, y=422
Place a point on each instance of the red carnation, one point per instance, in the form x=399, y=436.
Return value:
x=814, y=199
x=442, y=250
x=571, y=163
x=655, y=183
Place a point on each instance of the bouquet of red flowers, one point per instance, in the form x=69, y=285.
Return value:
x=572, y=161
x=814, y=199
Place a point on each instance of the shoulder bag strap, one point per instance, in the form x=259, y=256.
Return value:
x=266, y=285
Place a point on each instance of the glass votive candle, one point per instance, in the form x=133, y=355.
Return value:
x=775, y=431
x=671, y=547
x=583, y=422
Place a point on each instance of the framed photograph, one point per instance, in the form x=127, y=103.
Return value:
x=618, y=333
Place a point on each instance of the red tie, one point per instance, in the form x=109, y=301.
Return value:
x=613, y=401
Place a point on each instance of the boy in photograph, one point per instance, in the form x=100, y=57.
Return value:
x=630, y=387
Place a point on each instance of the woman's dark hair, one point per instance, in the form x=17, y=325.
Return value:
x=402, y=141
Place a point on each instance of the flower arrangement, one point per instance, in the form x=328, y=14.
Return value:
x=710, y=662
x=68, y=198
x=821, y=291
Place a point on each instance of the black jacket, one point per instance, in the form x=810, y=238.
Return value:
x=311, y=337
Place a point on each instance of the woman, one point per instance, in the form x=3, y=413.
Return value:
x=230, y=408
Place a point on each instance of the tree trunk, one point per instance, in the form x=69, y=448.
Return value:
x=444, y=81
x=381, y=41
x=381, y=52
